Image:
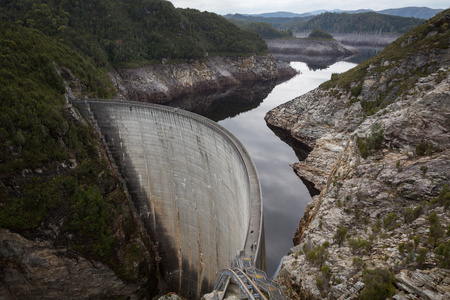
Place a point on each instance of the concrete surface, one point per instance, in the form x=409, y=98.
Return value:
x=193, y=185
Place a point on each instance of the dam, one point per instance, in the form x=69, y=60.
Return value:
x=194, y=188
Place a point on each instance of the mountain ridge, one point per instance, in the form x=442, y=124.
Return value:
x=412, y=11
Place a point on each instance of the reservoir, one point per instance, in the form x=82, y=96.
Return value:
x=241, y=110
x=284, y=195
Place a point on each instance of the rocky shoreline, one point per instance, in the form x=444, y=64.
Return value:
x=380, y=223
x=163, y=83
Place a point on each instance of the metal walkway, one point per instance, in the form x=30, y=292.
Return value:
x=253, y=283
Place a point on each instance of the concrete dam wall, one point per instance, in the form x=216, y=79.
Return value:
x=194, y=188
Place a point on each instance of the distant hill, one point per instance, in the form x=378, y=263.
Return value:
x=370, y=22
x=415, y=12
x=367, y=22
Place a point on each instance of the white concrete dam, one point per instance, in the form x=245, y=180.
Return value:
x=193, y=185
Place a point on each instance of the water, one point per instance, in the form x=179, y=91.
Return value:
x=285, y=196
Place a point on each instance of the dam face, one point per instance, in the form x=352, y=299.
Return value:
x=193, y=186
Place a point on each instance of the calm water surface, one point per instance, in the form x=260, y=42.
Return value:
x=284, y=195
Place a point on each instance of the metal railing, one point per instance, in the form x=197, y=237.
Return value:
x=255, y=279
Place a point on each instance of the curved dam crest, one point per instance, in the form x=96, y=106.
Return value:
x=193, y=185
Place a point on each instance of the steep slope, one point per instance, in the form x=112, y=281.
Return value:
x=66, y=229
x=380, y=148
x=133, y=32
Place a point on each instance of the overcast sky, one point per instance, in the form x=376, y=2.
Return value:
x=262, y=6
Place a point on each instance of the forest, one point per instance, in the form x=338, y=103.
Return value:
x=133, y=32
x=337, y=23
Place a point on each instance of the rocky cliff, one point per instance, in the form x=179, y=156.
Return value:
x=379, y=145
x=314, y=52
x=165, y=82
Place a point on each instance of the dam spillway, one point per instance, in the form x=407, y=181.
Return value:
x=193, y=186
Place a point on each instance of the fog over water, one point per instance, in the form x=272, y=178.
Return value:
x=285, y=196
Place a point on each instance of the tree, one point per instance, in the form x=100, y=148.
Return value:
x=321, y=34
x=341, y=234
x=378, y=284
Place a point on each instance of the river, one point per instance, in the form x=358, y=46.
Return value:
x=285, y=196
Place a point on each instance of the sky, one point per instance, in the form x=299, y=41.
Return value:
x=224, y=7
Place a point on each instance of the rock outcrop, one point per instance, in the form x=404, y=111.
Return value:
x=163, y=83
x=380, y=157
x=316, y=53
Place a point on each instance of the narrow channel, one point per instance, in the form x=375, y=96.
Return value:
x=285, y=196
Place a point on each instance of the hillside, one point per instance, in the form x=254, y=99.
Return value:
x=379, y=155
x=133, y=32
x=369, y=22
x=66, y=228
x=413, y=12
x=335, y=23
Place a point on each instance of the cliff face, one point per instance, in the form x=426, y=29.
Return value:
x=165, y=82
x=380, y=157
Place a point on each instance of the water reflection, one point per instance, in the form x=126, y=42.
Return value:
x=242, y=112
x=314, y=63
x=227, y=103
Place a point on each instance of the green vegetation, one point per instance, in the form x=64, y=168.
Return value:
x=369, y=22
x=410, y=215
x=33, y=122
x=320, y=34
x=340, y=235
x=429, y=37
x=424, y=149
x=358, y=263
x=360, y=246
x=50, y=165
x=378, y=284
x=437, y=231
x=317, y=255
x=390, y=221
x=443, y=199
x=443, y=252
x=372, y=142
x=133, y=31
x=267, y=31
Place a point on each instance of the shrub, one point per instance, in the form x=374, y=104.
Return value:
x=443, y=253
x=424, y=149
x=358, y=263
x=378, y=284
x=435, y=234
x=377, y=227
x=422, y=256
x=358, y=245
x=372, y=142
x=341, y=234
x=410, y=215
x=443, y=199
x=390, y=222
x=317, y=256
x=319, y=33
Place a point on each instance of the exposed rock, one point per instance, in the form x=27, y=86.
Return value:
x=163, y=83
x=310, y=47
x=382, y=198
x=37, y=270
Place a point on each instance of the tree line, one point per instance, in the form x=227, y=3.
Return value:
x=133, y=31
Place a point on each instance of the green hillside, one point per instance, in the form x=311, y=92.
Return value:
x=369, y=22
x=425, y=42
x=132, y=31
x=51, y=169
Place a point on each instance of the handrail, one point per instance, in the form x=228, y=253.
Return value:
x=257, y=279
